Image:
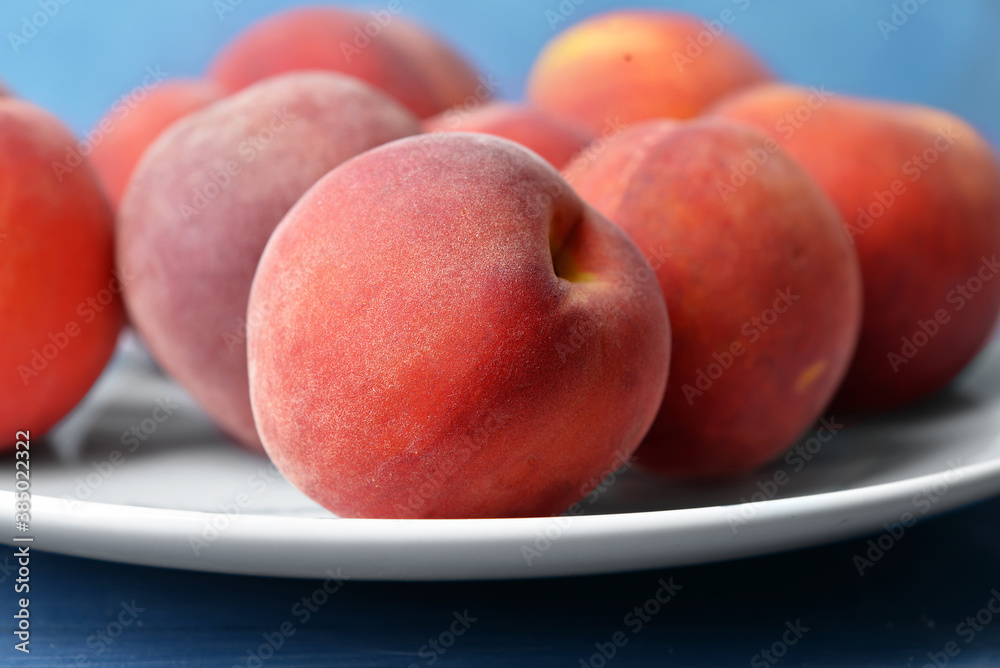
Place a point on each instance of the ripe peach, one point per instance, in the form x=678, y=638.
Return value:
x=128, y=128
x=448, y=331
x=326, y=38
x=452, y=78
x=763, y=288
x=203, y=201
x=630, y=66
x=58, y=293
x=919, y=191
x=555, y=140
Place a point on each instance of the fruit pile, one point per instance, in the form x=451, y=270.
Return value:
x=362, y=265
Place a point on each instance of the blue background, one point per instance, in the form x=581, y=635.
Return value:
x=947, y=53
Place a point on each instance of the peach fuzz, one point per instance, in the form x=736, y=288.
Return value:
x=763, y=288
x=555, y=140
x=330, y=39
x=919, y=191
x=130, y=127
x=58, y=292
x=629, y=66
x=448, y=332
x=202, y=203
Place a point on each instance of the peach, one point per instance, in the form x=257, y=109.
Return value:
x=326, y=38
x=452, y=78
x=555, y=140
x=630, y=66
x=202, y=203
x=59, y=295
x=919, y=191
x=448, y=331
x=763, y=288
x=130, y=126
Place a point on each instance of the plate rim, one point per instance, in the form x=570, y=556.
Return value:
x=93, y=519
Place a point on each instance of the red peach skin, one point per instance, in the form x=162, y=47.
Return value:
x=555, y=140
x=453, y=79
x=763, y=288
x=919, y=191
x=451, y=332
x=59, y=297
x=330, y=39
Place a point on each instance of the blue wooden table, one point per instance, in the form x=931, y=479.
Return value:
x=929, y=595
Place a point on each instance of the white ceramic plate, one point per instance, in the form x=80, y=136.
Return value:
x=125, y=481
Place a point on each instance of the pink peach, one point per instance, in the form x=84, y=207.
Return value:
x=202, y=203
x=130, y=127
